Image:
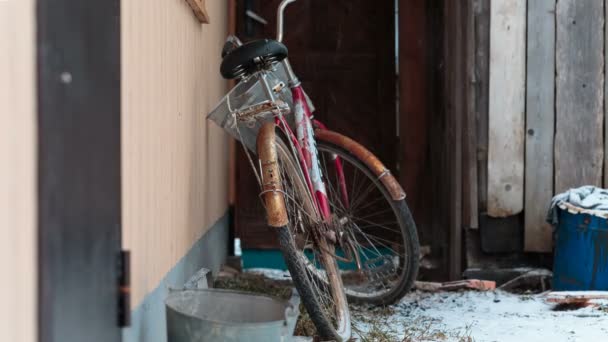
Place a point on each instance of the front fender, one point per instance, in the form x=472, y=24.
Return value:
x=272, y=191
x=368, y=158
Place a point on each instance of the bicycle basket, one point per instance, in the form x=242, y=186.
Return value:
x=252, y=102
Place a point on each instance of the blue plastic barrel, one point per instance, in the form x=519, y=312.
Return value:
x=581, y=253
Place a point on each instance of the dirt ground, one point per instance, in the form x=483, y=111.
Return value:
x=451, y=316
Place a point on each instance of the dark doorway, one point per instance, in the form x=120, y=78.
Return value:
x=344, y=53
x=79, y=202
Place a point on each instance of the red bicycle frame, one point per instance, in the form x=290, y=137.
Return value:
x=304, y=143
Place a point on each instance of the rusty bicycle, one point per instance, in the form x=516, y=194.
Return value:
x=345, y=230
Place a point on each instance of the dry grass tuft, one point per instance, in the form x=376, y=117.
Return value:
x=385, y=325
x=255, y=283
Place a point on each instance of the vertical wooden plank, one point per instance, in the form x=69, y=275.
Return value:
x=421, y=123
x=454, y=44
x=605, y=101
x=469, y=181
x=482, y=95
x=540, y=123
x=507, y=105
x=415, y=113
x=579, y=94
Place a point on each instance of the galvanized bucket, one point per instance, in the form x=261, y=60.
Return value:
x=229, y=316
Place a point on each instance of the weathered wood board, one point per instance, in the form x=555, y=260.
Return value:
x=540, y=121
x=575, y=297
x=453, y=49
x=605, y=105
x=506, y=108
x=579, y=94
x=482, y=81
x=470, y=198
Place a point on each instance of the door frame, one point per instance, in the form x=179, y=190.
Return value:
x=79, y=181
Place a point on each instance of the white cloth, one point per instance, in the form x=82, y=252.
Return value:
x=586, y=199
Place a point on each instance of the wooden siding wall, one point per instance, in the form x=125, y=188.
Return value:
x=546, y=107
x=520, y=117
x=175, y=163
x=18, y=172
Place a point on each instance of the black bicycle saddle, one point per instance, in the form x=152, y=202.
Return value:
x=250, y=56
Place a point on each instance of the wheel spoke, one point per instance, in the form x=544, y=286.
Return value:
x=303, y=221
x=371, y=217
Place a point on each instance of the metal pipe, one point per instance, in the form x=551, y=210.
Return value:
x=280, y=12
x=292, y=79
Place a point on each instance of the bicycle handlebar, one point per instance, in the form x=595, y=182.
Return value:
x=280, y=12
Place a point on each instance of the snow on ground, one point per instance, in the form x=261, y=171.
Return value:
x=487, y=317
x=493, y=316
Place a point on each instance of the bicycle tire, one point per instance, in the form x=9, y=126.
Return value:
x=311, y=292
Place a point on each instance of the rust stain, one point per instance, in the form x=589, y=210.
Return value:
x=272, y=191
x=375, y=165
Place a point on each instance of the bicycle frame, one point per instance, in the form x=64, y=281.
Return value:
x=305, y=146
x=303, y=139
x=304, y=143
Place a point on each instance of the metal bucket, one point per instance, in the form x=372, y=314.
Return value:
x=581, y=252
x=229, y=316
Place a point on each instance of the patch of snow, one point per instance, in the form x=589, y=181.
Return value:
x=496, y=316
x=491, y=316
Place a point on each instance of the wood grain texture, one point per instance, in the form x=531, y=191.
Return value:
x=454, y=46
x=506, y=108
x=470, y=197
x=421, y=123
x=605, y=104
x=540, y=121
x=482, y=95
x=579, y=94
x=414, y=112
x=175, y=163
x=18, y=321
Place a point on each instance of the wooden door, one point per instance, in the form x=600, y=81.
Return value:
x=344, y=53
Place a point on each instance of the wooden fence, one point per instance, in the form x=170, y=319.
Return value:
x=546, y=107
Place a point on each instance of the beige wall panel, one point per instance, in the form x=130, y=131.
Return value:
x=17, y=172
x=175, y=163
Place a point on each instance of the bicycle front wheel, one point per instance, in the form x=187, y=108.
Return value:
x=308, y=254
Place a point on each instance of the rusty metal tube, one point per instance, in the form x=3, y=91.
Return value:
x=363, y=154
x=272, y=191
